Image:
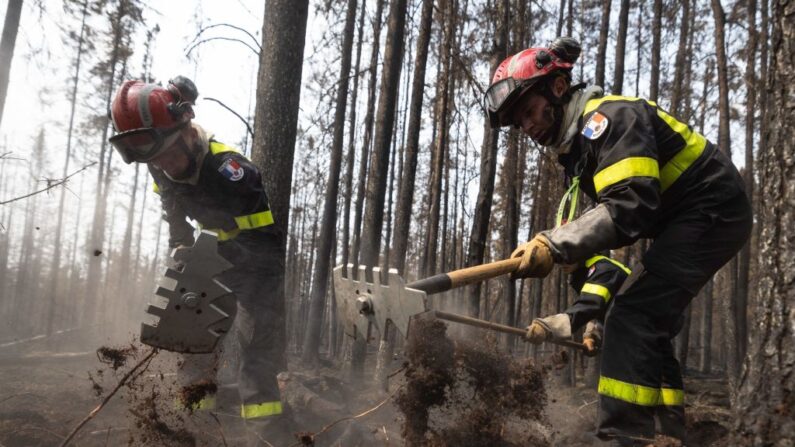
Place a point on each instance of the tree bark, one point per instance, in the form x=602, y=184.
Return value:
x=488, y=165
x=328, y=225
x=681, y=55
x=275, y=122
x=621, y=45
x=406, y=193
x=7, y=44
x=656, y=26
x=767, y=391
x=601, y=52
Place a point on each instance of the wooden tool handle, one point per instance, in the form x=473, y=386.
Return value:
x=463, y=319
x=470, y=275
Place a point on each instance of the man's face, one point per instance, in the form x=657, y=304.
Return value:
x=533, y=115
x=175, y=159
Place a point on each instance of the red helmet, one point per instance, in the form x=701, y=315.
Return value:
x=148, y=116
x=520, y=72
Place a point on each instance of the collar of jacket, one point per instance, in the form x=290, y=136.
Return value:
x=203, y=145
x=571, y=115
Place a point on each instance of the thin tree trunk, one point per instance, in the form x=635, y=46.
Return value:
x=656, y=27
x=406, y=194
x=601, y=52
x=681, y=54
x=369, y=119
x=621, y=44
x=329, y=223
x=7, y=44
x=488, y=165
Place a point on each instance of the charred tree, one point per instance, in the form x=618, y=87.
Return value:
x=767, y=391
x=7, y=44
x=601, y=52
x=621, y=45
x=328, y=225
x=656, y=27
x=406, y=193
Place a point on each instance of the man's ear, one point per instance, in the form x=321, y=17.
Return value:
x=559, y=86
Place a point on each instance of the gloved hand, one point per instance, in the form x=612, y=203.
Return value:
x=536, y=333
x=536, y=258
x=592, y=337
x=556, y=326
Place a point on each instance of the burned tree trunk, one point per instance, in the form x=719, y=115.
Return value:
x=406, y=193
x=767, y=391
x=7, y=44
x=601, y=52
x=328, y=225
x=621, y=45
x=656, y=26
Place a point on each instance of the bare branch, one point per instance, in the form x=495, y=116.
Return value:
x=209, y=39
x=132, y=372
x=51, y=183
x=201, y=31
x=250, y=132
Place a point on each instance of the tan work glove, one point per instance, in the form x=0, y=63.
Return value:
x=556, y=326
x=536, y=333
x=592, y=337
x=536, y=259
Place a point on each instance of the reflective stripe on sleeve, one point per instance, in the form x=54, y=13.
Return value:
x=155, y=188
x=639, y=394
x=694, y=146
x=218, y=148
x=624, y=169
x=596, y=289
x=256, y=220
x=593, y=104
x=264, y=409
x=593, y=260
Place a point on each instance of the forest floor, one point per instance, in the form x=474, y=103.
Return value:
x=44, y=395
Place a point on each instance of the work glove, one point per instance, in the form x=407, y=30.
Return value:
x=536, y=258
x=556, y=326
x=592, y=337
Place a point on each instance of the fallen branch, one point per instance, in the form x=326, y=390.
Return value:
x=50, y=184
x=311, y=436
x=132, y=372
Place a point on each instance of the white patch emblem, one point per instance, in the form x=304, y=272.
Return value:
x=595, y=126
x=591, y=270
x=231, y=170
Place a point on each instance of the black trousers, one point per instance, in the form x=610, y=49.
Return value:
x=259, y=328
x=640, y=384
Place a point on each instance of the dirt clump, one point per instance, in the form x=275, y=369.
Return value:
x=156, y=428
x=190, y=396
x=469, y=394
x=116, y=357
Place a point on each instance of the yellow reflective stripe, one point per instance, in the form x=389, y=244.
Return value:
x=593, y=260
x=628, y=392
x=592, y=104
x=624, y=169
x=261, y=410
x=672, y=396
x=208, y=403
x=218, y=148
x=596, y=289
x=256, y=220
x=155, y=188
x=694, y=146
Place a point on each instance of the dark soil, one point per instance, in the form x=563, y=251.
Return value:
x=116, y=357
x=191, y=395
x=465, y=394
x=152, y=426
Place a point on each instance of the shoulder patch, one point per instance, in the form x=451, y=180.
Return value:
x=231, y=170
x=591, y=271
x=596, y=126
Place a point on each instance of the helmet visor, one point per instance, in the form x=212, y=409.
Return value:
x=144, y=144
x=501, y=96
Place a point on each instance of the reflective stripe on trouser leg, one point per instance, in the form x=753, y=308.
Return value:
x=670, y=414
x=634, y=357
x=260, y=335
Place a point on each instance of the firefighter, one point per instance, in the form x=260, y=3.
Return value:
x=651, y=176
x=213, y=184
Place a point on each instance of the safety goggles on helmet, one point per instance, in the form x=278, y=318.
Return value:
x=144, y=144
x=501, y=96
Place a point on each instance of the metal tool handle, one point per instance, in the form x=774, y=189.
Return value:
x=470, y=275
x=463, y=319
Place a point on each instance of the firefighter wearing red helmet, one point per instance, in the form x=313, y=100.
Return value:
x=650, y=176
x=213, y=184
